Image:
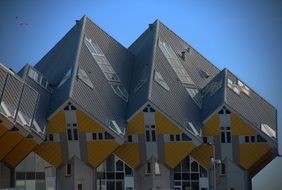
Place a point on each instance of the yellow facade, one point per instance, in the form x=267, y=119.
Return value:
x=165, y=126
x=51, y=152
x=175, y=152
x=98, y=151
x=20, y=152
x=129, y=153
x=86, y=124
x=58, y=123
x=203, y=154
x=8, y=141
x=136, y=125
x=250, y=153
x=211, y=127
x=240, y=127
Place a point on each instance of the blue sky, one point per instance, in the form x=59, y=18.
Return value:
x=243, y=36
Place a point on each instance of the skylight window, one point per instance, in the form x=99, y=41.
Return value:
x=195, y=95
x=106, y=68
x=190, y=127
x=160, y=80
x=65, y=78
x=176, y=65
x=212, y=88
x=142, y=81
x=114, y=126
x=120, y=91
x=239, y=87
x=268, y=130
x=82, y=75
x=37, y=77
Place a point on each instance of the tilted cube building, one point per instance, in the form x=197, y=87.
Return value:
x=156, y=115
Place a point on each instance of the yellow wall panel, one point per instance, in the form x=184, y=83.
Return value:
x=250, y=153
x=175, y=152
x=3, y=129
x=98, y=151
x=20, y=152
x=58, y=123
x=136, y=125
x=8, y=141
x=86, y=124
x=165, y=126
x=211, y=127
x=51, y=152
x=203, y=154
x=129, y=153
x=240, y=127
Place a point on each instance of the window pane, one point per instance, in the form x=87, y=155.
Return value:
x=75, y=135
x=222, y=137
x=128, y=170
x=194, y=166
x=153, y=136
x=171, y=137
x=228, y=137
x=69, y=135
x=148, y=136
x=119, y=165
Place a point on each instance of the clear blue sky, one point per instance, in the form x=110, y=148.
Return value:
x=243, y=36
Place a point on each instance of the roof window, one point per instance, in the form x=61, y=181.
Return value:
x=82, y=75
x=160, y=80
x=65, y=78
x=268, y=130
x=195, y=95
x=37, y=77
x=120, y=91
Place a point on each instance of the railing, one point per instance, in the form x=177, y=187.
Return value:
x=18, y=100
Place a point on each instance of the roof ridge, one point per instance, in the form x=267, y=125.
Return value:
x=156, y=23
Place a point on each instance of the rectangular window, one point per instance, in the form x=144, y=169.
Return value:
x=68, y=169
x=222, y=137
x=69, y=135
x=253, y=139
x=148, y=139
x=205, y=139
x=171, y=137
x=222, y=172
x=153, y=136
x=94, y=136
x=100, y=136
x=247, y=139
x=129, y=138
x=148, y=168
x=51, y=137
x=75, y=135
x=228, y=136
x=177, y=137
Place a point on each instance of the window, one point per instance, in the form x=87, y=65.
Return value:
x=148, y=108
x=72, y=132
x=37, y=77
x=129, y=138
x=190, y=127
x=211, y=88
x=51, y=137
x=253, y=139
x=177, y=137
x=142, y=80
x=148, y=168
x=160, y=80
x=106, y=68
x=171, y=137
x=108, y=135
x=225, y=135
x=268, y=130
x=68, y=169
x=157, y=169
x=82, y=75
x=247, y=139
x=222, y=171
x=65, y=78
x=150, y=133
x=205, y=139
x=176, y=65
x=94, y=136
x=120, y=91
x=239, y=87
x=195, y=95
